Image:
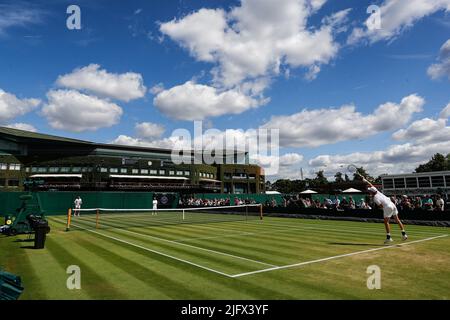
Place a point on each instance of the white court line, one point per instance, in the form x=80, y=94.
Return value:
x=154, y=251
x=334, y=257
x=356, y=227
x=340, y=229
x=194, y=247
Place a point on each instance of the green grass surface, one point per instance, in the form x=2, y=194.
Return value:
x=210, y=261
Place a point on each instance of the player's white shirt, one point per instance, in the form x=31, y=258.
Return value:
x=155, y=204
x=78, y=203
x=389, y=207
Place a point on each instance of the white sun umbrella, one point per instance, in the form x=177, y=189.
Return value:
x=351, y=190
x=308, y=192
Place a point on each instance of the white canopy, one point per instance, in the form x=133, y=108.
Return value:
x=351, y=190
x=272, y=192
x=56, y=176
x=147, y=177
x=308, y=192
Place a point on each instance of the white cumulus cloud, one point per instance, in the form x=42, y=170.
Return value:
x=192, y=101
x=125, y=87
x=442, y=68
x=11, y=106
x=149, y=130
x=396, y=16
x=71, y=110
x=22, y=126
x=312, y=128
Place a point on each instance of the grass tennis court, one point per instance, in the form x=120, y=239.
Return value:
x=276, y=258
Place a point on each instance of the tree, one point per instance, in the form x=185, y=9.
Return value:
x=338, y=177
x=320, y=178
x=363, y=173
x=438, y=162
x=347, y=179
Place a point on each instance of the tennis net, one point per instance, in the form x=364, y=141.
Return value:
x=101, y=218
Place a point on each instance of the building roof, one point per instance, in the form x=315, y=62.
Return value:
x=16, y=133
x=416, y=174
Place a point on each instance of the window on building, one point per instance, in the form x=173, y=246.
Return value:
x=447, y=180
x=42, y=169
x=388, y=183
x=103, y=169
x=437, y=181
x=113, y=170
x=34, y=169
x=123, y=170
x=399, y=183
x=144, y=171
x=3, y=166
x=14, y=166
x=187, y=173
x=179, y=173
x=84, y=169
x=2, y=183
x=171, y=173
x=53, y=169
x=13, y=182
x=424, y=182
x=76, y=169
x=27, y=169
x=153, y=171
x=162, y=172
x=134, y=171
x=65, y=169
x=411, y=182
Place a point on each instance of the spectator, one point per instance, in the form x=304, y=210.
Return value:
x=440, y=204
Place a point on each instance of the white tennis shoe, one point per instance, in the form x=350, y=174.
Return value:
x=388, y=241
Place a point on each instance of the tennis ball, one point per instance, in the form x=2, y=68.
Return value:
x=8, y=222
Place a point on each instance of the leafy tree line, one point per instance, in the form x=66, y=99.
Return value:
x=438, y=162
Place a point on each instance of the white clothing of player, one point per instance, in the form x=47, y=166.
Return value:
x=155, y=206
x=77, y=203
x=389, y=208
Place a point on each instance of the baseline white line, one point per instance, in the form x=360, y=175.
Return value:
x=340, y=229
x=356, y=227
x=154, y=251
x=334, y=257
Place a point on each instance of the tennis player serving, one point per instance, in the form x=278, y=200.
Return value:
x=389, y=210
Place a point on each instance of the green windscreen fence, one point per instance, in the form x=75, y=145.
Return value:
x=56, y=203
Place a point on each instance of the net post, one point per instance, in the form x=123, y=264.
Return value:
x=183, y=214
x=96, y=218
x=260, y=211
x=69, y=216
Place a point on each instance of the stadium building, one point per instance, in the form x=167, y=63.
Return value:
x=416, y=184
x=34, y=161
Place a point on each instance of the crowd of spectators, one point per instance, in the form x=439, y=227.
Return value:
x=198, y=202
x=427, y=202
x=403, y=203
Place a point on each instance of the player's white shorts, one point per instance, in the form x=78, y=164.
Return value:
x=77, y=206
x=390, y=211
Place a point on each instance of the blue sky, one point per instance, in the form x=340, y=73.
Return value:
x=142, y=38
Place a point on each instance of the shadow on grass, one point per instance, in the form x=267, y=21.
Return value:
x=24, y=240
x=356, y=244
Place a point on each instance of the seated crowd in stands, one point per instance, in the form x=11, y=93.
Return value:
x=197, y=202
x=427, y=202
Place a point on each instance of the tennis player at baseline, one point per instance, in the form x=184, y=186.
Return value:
x=389, y=210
